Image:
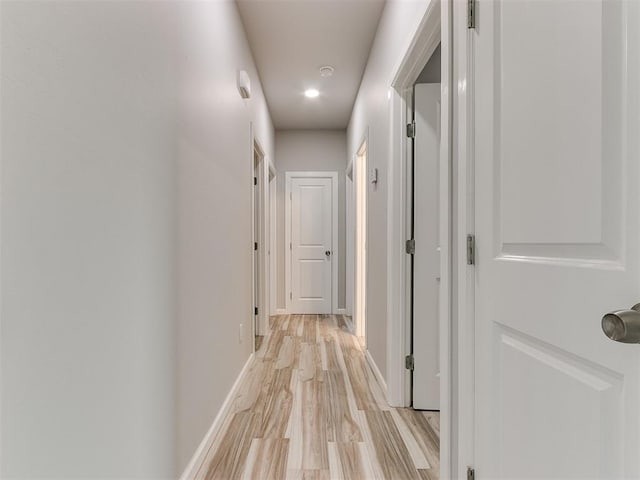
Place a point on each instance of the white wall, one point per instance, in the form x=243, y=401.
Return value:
x=304, y=151
x=88, y=186
x=125, y=178
x=215, y=243
x=372, y=111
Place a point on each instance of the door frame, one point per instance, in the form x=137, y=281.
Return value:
x=273, y=238
x=360, y=174
x=349, y=240
x=260, y=171
x=424, y=43
x=435, y=27
x=463, y=184
x=335, y=254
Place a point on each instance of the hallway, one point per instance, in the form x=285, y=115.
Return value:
x=310, y=407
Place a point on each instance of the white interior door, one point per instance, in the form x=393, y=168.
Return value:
x=311, y=245
x=557, y=223
x=426, y=261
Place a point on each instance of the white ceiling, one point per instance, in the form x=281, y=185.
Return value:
x=292, y=39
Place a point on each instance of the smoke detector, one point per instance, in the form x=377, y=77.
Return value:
x=326, y=71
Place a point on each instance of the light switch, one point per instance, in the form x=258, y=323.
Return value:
x=373, y=175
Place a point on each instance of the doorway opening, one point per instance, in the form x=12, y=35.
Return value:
x=425, y=225
x=258, y=226
x=420, y=348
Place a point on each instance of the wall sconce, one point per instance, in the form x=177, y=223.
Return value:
x=244, y=84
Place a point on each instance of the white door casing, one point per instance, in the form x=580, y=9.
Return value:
x=360, y=170
x=557, y=233
x=350, y=241
x=426, y=260
x=311, y=231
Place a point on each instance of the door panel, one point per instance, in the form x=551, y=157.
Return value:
x=311, y=238
x=426, y=261
x=556, y=175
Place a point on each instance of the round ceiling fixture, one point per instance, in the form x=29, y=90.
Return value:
x=326, y=71
x=311, y=93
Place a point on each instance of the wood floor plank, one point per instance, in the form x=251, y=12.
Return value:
x=391, y=452
x=315, y=475
x=417, y=454
x=309, y=335
x=229, y=460
x=341, y=426
x=425, y=436
x=310, y=407
x=428, y=474
x=277, y=403
x=267, y=459
x=314, y=438
x=286, y=354
x=357, y=371
x=351, y=465
x=308, y=364
x=273, y=344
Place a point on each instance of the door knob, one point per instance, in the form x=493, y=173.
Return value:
x=328, y=253
x=623, y=326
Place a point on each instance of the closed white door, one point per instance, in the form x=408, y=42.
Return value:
x=311, y=245
x=557, y=224
x=426, y=260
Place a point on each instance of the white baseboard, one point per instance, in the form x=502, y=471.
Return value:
x=341, y=311
x=281, y=311
x=376, y=372
x=198, y=456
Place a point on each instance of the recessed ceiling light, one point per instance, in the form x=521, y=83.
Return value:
x=326, y=71
x=311, y=93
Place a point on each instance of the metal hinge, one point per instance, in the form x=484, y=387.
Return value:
x=290, y=246
x=471, y=249
x=290, y=296
x=471, y=473
x=255, y=310
x=471, y=13
x=255, y=180
x=408, y=362
x=410, y=247
x=255, y=246
x=411, y=129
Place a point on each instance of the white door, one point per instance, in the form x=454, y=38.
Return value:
x=426, y=261
x=311, y=245
x=557, y=230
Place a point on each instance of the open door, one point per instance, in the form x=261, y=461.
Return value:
x=557, y=169
x=425, y=213
x=426, y=259
x=258, y=246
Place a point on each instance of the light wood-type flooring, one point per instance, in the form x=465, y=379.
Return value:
x=311, y=408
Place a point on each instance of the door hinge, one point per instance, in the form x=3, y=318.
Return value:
x=255, y=310
x=471, y=13
x=255, y=246
x=411, y=129
x=471, y=249
x=290, y=296
x=255, y=180
x=290, y=246
x=408, y=362
x=410, y=247
x=471, y=473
